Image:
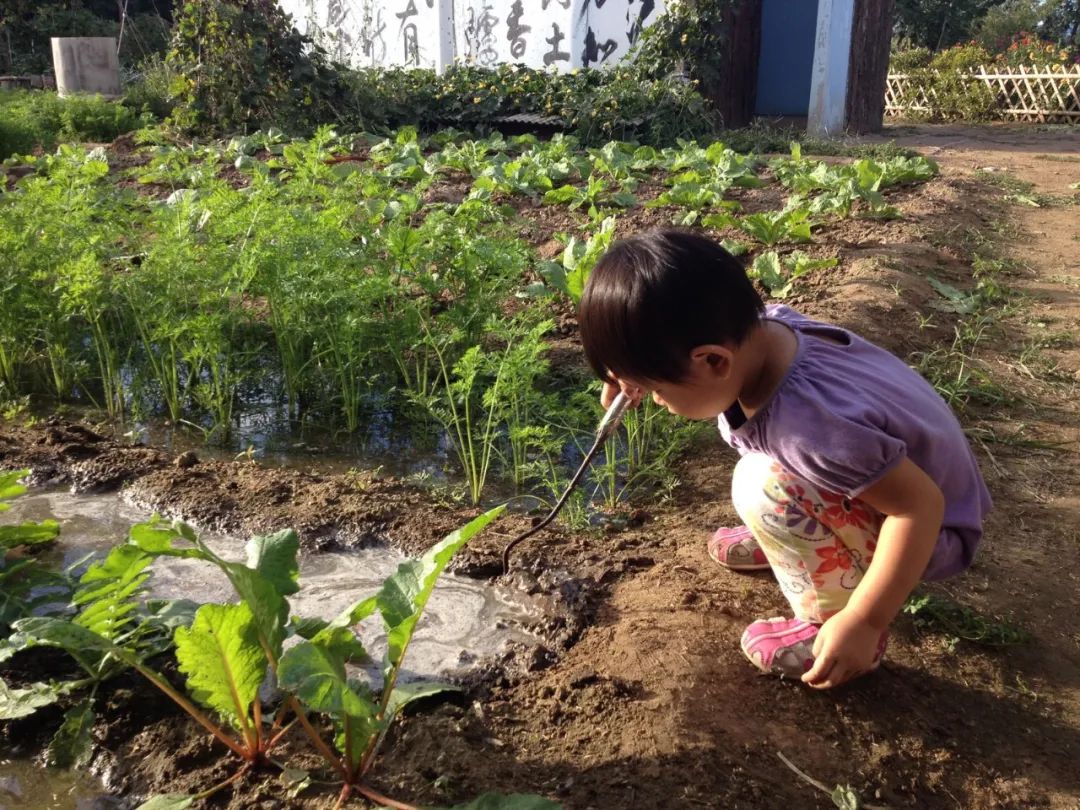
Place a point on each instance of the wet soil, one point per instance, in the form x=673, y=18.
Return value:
x=642, y=699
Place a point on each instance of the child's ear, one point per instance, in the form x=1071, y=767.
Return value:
x=717, y=359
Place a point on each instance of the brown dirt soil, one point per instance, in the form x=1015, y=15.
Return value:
x=642, y=699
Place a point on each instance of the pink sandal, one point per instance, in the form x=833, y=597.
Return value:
x=737, y=549
x=785, y=647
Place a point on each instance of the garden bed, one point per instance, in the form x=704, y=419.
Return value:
x=638, y=696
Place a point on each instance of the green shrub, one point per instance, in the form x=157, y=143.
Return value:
x=26, y=36
x=92, y=118
x=151, y=89
x=968, y=56
x=36, y=118
x=1030, y=50
x=908, y=60
x=27, y=25
x=240, y=64
x=597, y=105
x=14, y=138
x=953, y=95
x=146, y=36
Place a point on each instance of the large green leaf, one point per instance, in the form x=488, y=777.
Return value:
x=343, y=643
x=516, y=801
x=157, y=537
x=84, y=645
x=269, y=608
x=223, y=660
x=168, y=614
x=274, y=556
x=10, y=486
x=15, y=703
x=28, y=587
x=316, y=675
x=403, y=596
x=352, y=615
x=403, y=695
x=110, y=591
x=29, y=534
x=72, y=745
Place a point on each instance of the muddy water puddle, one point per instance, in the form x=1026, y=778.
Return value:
x=24, y=786
x=466, y=620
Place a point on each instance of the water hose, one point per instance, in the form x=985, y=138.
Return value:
x=604, y=430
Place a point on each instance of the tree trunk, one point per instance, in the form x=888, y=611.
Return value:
x=5, y=53
x=734, y=90
x=871, y=33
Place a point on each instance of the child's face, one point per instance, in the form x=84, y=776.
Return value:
x=706, y=391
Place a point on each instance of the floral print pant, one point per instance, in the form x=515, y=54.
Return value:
x=818, y=543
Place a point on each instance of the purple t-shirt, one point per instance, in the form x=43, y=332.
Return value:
x=847, y=412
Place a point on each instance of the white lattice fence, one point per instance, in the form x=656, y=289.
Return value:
x=1047, y=94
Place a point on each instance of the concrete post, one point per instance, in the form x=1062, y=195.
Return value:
x=444, y=57
x=832, y=52
x=86, y=65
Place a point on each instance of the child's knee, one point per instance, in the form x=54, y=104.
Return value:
x=755, y=486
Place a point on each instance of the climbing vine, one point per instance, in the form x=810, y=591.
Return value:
x=242, y=63
x=689, y=38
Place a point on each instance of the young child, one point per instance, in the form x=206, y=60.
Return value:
x=856, y=480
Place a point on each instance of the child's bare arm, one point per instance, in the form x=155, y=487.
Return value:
x=913, y=507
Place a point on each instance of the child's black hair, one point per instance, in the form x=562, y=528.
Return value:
x=653, y=297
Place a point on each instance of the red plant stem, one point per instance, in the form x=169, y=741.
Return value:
x=220, y=785
x=317, y=741
x=370, y=793
x=196, y=715
x=279, y=716
x=349, y=767
x=277, y=737
x=343, y=797
x=369, y=752
x=256, y=710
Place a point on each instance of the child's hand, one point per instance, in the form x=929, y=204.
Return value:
x=845, y=647
x=610, y=391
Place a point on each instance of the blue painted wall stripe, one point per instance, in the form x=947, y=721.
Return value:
x=788, y=29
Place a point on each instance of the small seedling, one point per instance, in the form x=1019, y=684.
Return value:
x=938, y=614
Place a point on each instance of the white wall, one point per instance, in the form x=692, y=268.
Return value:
x=560, y=34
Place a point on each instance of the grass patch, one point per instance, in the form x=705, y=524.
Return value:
x=943, y=616
x=955, y=373
x=1059, y=158
x=987, y=434
x=1022, y=192
x=763, y=137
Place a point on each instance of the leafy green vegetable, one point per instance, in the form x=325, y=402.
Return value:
x=315, y=670
x=16, y=703
x=779, y=275
x=72, y=745
x=29, y=533
x=224, y=662
x=778, y=226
